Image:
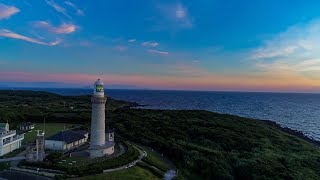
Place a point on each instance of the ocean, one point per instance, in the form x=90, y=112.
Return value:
x=293, y=110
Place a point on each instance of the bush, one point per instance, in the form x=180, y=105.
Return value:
x=54, y=157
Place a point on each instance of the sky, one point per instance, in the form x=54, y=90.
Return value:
x=218, y=45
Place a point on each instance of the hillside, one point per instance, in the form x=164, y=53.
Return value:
x=202, y=144
x=18, y=106
x=209, y=145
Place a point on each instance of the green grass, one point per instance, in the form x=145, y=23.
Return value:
x=154, y=159
x=4, y=165
x=50, y=129
x=79, y=161
x=131, y=173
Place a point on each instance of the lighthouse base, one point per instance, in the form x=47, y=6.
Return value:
x=100, y=151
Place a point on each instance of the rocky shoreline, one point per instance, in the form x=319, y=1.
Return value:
x=297, y=133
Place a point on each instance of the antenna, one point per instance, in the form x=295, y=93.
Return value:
x=44, y=124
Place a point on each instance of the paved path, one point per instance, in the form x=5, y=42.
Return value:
x=170, y=174
x=18, y=175
x=131, y=164
x=47, y=174
x=17, y=158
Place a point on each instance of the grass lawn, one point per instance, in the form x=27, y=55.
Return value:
x=154, y=159
x=131, y=173
x=4, y=165
x=50, y=129
x=75, y=161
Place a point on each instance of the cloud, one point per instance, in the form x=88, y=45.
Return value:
x=9, y=34
x=131, y=40
x=7, y=11
x=64, y=28
x=79, y=12
x=150, y=44
x=173, y=16
x=295, y=52
x=296, y=40
x=121, y=48
x=57, y=7
x=163, y=53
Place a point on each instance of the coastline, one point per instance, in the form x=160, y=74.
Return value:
x=204, y=138
x=300, y=134
x=290, y=131
x=293, y=132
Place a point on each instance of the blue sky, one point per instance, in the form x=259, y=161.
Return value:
x=198, y=45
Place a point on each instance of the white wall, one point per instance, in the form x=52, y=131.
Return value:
x=55, y=145
x=9, y=147
x=61, y=146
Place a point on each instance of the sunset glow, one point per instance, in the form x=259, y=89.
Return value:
x=176, y=45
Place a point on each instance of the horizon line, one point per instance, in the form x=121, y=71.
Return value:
x=150, y=89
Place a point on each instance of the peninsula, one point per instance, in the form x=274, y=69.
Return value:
x=200, y=144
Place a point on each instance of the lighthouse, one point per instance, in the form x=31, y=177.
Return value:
x=98, y=145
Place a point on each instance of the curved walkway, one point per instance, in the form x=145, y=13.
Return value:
x=131, y=164
x=51, y=175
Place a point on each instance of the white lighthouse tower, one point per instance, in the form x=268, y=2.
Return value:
x=98, y=144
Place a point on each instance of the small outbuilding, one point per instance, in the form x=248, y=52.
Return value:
x=26, y=126
x=66, y=140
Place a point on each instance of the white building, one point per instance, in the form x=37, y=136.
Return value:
x=9, y=140
x=99, y=145
x=26, y=126
x=66, y=140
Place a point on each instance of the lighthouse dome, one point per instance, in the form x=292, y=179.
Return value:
x=98, y=88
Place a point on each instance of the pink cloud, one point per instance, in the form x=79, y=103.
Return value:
x=150, y=44
x=7, y=11
x=163, y=53
x=9, y=34
x=64, y=28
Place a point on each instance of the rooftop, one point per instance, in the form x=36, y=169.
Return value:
x=68, y=136
x=26, y=124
